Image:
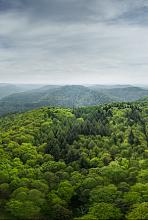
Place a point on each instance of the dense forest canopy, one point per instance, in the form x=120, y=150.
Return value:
x=84, y=163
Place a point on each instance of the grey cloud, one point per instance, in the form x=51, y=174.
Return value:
x=78, y=10
x=71, y=41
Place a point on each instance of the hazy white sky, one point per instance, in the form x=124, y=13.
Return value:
x=74, y=41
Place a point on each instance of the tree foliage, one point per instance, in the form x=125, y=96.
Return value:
x=83, y=163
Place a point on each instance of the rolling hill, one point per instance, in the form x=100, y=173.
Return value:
x=126, y=94
x=25, y=97
x=9, y=89
x=67, y=96
x=6, y=90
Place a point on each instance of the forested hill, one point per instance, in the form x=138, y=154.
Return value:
x=84, y=164
x=64, y=96
x=67, y=96
x=9, y=89
x=124, y=94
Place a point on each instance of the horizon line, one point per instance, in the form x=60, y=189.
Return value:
x=84, y=84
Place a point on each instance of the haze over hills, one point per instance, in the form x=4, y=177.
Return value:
x=7, y=89
x=129, y=93
x=66, y=96
x=18, y=98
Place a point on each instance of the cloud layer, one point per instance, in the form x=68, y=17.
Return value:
x=73, y=41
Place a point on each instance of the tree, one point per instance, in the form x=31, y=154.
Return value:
x=105, y=194
x=65, y=190
x=23, y=209
x=131, y=138
x=139, y=211
x=105, y=211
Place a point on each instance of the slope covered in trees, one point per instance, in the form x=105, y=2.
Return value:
x=7, y=89
x=68, y=96
x=124, y=94
x=64, y=96
x=83, y=164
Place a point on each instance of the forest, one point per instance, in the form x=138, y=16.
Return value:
x=86, y=163
x=27, y=97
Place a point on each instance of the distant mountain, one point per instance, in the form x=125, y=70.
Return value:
x=101, y=86
x=6, y=89
x=9, y=89
x=66, y=96
x=124, y=94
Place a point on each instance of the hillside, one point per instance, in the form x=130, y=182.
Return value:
x=67, y=96
x=9, y=89
x=126, y=94
x=6, y=90
x=87, y=163
x=144, y=99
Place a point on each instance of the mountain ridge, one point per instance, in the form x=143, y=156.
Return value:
x=68, y=96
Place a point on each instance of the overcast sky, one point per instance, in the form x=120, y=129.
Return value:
x=74, y=41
